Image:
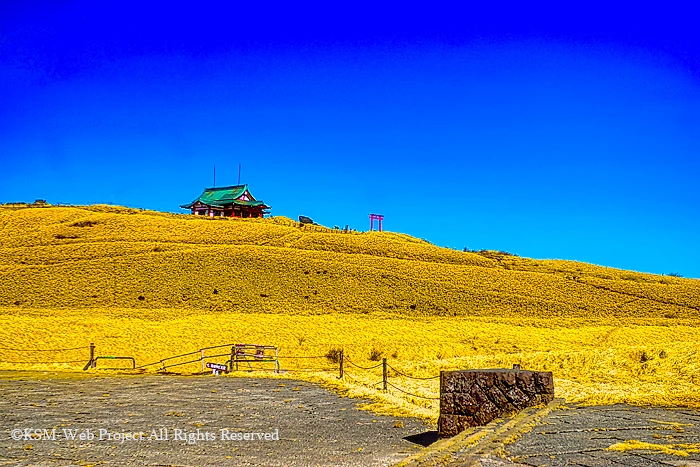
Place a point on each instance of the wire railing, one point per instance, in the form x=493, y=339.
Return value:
x=386, y=384
x=410, y=393
x=319, y=368
x=363, y=367
x=34, y=362
x=246, y=354
x=60, y=357
x=410, y=376
x=360, y=383
x=43, y=350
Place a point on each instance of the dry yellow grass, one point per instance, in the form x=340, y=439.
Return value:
x=151, y=285
x=679, y=449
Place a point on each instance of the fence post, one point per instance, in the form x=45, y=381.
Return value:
x=91, y=363
x=384, y=373
x=202, y=359
x=233, y=357
x=341, y=363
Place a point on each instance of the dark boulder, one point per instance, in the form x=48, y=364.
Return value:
x=476, y=397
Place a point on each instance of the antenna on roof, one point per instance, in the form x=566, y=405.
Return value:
x=239, y=173
x=214, y=176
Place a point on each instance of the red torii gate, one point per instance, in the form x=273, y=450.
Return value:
x=377, y=217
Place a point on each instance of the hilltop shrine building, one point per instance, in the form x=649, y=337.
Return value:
x=227, y=201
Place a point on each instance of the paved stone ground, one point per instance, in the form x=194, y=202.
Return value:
x=577, y=435
x=315, y=426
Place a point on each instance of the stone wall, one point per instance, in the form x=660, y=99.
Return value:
x=475, y=397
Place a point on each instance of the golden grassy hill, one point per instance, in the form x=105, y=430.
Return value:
x=102, y=256
x=152, y=284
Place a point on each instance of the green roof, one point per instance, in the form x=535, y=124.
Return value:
x=226, y=195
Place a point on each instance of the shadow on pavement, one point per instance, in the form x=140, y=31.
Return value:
x=424, y=439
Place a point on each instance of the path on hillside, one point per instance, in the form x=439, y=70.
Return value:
x=315, y=426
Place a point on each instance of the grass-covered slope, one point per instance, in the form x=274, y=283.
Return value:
x=115, y=257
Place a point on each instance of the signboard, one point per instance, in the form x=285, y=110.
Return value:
x=217, y=367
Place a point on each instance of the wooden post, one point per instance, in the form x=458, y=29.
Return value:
x=202, y=359
x=233, y=357
x=384, y=373
x=91, y=362
x=277, y=360
x=341, y=364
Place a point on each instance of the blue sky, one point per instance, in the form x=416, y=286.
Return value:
x=551, y=133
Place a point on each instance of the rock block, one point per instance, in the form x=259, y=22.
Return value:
x=476, y=397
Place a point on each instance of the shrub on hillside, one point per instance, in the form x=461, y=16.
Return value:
x=333, y=355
